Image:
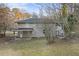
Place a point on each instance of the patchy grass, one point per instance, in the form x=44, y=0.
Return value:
x=39, y=47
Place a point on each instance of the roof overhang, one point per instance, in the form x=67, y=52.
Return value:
x=24, y=29
x=37, y=21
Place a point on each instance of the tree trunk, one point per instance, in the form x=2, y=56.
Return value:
x=14, y=33
x=4, y=33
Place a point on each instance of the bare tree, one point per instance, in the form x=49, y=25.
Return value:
x=49, y=11
x=7, y=18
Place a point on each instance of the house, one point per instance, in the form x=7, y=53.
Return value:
x=33, y=27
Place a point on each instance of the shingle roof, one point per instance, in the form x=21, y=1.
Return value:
x=36, y=21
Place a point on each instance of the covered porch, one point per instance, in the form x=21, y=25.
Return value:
x=24, y=32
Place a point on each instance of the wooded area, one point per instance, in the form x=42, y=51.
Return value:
x=8, y=18
x=64, y=15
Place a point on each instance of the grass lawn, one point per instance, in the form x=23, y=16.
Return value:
x=38, y=47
